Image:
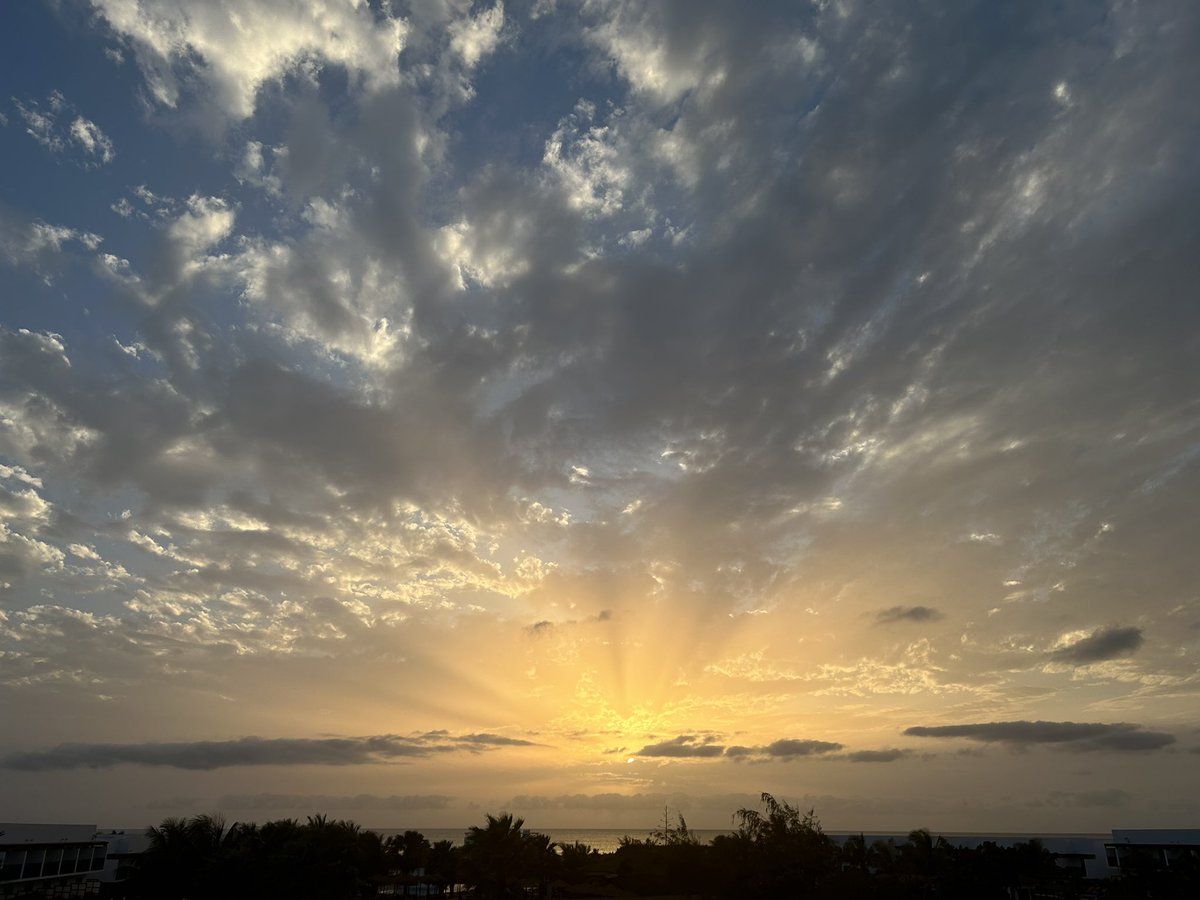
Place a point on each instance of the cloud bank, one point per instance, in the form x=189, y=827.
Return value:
x=253, y=751
x=1075, y=736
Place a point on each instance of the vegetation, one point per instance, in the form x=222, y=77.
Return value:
x=202, y=859
x=776, y=851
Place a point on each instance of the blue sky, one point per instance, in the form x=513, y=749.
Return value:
x=576, y=406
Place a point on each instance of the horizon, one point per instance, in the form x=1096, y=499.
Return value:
x=413, y=408
x=705, y=834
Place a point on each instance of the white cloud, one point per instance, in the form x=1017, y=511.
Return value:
x=637, y=44
x=475, y=37
x=473, y=254
x=94, y=141
x=238, y=46
x=39, y=245
x=327, y=290
x=42, y=124
x=588, y=163
x=208, y=221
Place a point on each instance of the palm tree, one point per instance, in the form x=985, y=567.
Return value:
x=406, y=853
x=187, y=858
x=339, y=858
x=492, y=855
x=576, y=860
x=443, y=864
x=540, y=859
x=168, y=866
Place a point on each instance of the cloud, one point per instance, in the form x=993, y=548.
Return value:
x=877, y=756
x=748, y=319
x=788, y=748
x=493, y=740
x=266, y=40
x=473, y=38
x=253, y=751
x=907, y=614
x=38, y=244
x=1075, y=736
x=1101, y=644
x=684, y=746
x=93, y=141
x=785, y=749
x=42, y=124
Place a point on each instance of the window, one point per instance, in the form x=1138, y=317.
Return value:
x=97, y=856
x=10, y=864
x=53, y=858
x=33, y=863
x=68, y=860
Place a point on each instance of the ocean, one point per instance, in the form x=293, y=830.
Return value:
x=606, y=840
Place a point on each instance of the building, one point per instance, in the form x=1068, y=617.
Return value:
x=56, y=861
x=1153, y=849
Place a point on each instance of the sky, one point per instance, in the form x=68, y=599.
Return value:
x=420, y=409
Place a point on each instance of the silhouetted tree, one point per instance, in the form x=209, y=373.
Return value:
x=493, y=857
x=443, y=864
x=541, y=862
x=789, y=853
x=578, y=861
x=774, y=852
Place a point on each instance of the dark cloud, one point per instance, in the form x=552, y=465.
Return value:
x=684, y=746
x=1101, y=644
x=789, y=748
x=1080, y=736
x=492, y=740
x=877, y=756
x=785, y=749
x=906, y=614
x=252, y=751
x=692, y=746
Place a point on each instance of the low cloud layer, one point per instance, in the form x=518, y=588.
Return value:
x=785, y=749
x=688, y=746
x=877, y=756
x=253, y=751
x=1076, y=736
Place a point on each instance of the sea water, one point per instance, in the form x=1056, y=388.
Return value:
x=605, y=840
